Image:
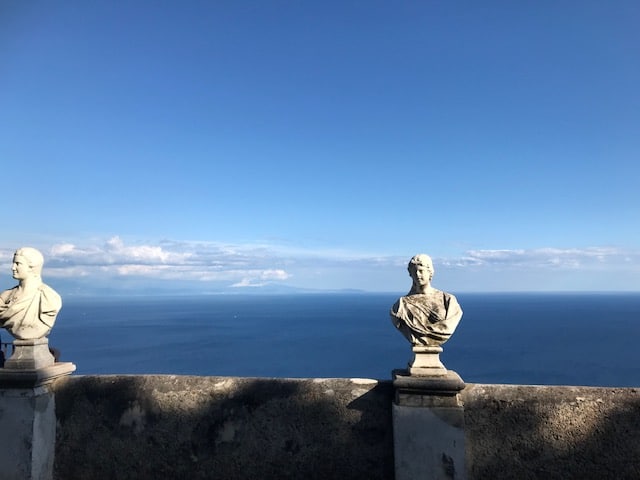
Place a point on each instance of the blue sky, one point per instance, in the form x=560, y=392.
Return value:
x=322, y=144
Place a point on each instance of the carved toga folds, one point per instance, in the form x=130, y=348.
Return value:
x=32, y=316
x=427, y=319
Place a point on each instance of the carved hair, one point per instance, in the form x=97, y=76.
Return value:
x=34, y=258
x=421, y=260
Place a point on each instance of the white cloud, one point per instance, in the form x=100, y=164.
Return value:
x=240, y=265
x=62, y=249
x=113, y=252
x=257, y=264
x=552, y=258
x=259, y=278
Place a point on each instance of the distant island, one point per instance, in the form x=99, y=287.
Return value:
x=75, y=288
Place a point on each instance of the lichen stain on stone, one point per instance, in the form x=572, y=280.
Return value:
x=227, y=433
x=133, y=417
x=448, y=466
x=358, y=392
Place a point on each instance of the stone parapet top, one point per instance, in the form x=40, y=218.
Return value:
x=427, y=391
x=23, y=378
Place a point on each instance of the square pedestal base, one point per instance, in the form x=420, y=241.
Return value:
x=428, y=426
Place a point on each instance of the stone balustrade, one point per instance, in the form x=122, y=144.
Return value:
x=149, y=427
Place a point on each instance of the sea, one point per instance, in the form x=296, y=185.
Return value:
x=589, y=339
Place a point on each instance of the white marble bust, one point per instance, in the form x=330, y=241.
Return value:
x=425, y=316
x=28, y=310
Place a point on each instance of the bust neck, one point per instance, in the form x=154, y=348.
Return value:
x=29, y=284
x=422, y=289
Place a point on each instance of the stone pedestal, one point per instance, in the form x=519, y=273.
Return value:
x=428, y=426
x=28, y=423
x=30, y=355
x=426, y=362
x=27, y=411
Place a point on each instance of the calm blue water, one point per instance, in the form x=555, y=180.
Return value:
x=573, y=339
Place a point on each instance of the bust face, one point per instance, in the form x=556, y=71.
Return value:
x=421, y=275
x=20, y=268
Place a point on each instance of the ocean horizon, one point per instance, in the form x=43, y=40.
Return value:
x=533, y=338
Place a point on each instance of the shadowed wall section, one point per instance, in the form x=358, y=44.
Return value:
x=547, y=432
x=149, y=427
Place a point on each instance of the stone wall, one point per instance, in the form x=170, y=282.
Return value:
x=542, y=432
x=149, y=427
x=175, y=427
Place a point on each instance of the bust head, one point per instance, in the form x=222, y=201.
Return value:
x=27, y=262
x=421, y=270
x=421, y=260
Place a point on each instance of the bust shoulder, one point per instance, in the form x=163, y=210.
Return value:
x=7, y=294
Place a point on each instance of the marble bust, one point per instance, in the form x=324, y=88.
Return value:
x=427, y=317
x=28, y=310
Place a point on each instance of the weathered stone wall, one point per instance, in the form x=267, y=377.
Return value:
x=182, y=427
x=526, y=432
x=149, y=427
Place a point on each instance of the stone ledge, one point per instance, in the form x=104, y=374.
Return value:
x=31, y=378
x=427, y=391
